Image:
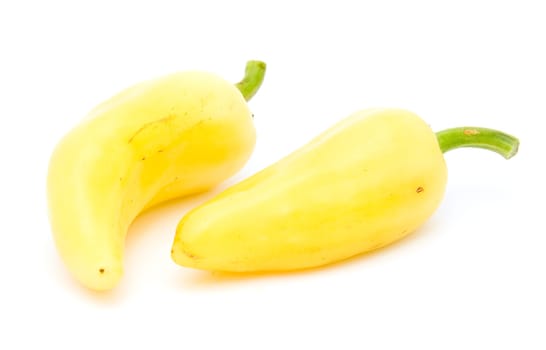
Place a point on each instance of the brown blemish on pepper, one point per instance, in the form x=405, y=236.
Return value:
x=101, y=270
x=419, y=189
x=190, y=255
x=470, y=132
x=147, y=125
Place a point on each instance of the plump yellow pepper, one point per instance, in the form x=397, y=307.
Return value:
x=368, y=181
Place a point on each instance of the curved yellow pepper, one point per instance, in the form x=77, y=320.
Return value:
x=161, y=139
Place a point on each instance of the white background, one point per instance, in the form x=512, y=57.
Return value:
x=471, y=278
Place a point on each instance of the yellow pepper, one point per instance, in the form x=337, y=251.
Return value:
x=165, y=138
x=366, y=182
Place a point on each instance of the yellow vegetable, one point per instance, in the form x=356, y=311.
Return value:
x=161, y=139
x=368, y=181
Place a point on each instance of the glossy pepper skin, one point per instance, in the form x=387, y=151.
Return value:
x=366, y=182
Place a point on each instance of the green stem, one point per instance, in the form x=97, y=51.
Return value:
x=490, y=139
x=254, y=76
